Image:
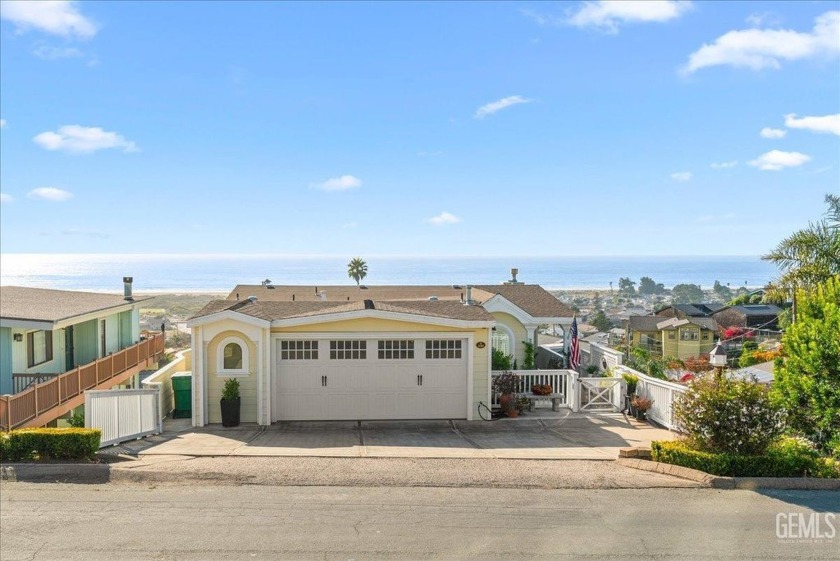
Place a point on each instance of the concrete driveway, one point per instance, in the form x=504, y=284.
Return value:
x=562, y=435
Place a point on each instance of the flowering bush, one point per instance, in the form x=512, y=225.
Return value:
x=541, y=389
x=735, y=331
x=732, y=416
x=507, y=383
x=698, y=364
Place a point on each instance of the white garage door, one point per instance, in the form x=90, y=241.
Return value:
x=366, y=378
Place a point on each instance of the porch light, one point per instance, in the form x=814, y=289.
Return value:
x=18, y=337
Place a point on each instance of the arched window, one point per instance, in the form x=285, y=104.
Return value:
x=233, y=356
x=501, y=341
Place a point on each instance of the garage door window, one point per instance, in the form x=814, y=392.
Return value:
x=443, y=348
x=348, y=350
x=396, y=349
x=299, y=350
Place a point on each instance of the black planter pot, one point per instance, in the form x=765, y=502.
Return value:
x=230, y=412
x=641, y=415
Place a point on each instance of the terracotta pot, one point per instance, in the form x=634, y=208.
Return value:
x=513, y=412
x=506, y=402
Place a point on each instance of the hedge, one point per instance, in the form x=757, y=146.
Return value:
x=788, y=457
x=26, y=445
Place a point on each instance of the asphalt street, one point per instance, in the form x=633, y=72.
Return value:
x=206, y=522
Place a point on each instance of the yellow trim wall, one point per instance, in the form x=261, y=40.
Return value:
x=215, y=382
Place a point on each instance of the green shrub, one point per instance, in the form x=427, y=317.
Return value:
x=501, y=361
x=231, y=389
x=787, y=457
x=26, y=445
x=732, y=416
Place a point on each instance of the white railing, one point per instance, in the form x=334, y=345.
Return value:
x=162, y=381
x=662, y=393
x=561, y=381
x=122, y=415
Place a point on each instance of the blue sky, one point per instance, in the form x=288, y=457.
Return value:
x=587, y=128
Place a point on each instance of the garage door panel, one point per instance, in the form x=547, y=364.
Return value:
x=372, y=388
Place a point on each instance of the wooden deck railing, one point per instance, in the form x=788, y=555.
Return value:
x=21, y=382
x=17, y=409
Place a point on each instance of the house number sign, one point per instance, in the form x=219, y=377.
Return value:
x=481, y=344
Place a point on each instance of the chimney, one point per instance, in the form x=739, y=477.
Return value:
x=468, y=301
x=127, y=288
x=513, y=272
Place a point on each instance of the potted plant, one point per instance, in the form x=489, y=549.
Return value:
x=230, y=403
x=632, y=381
x=507, y=385
x=641, y=405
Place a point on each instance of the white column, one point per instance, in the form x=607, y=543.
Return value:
x=260, y=374
x=267, y=376
x=197, y=375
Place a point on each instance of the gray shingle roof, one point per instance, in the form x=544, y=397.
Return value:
x=531, y=298
x=47, y=305
x=274, y=310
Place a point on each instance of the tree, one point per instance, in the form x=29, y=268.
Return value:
x=596, y=301
x=601, y=321
x=807, y=382
x=686, y=294
x=626, y=286
x=648, y=286
x=357, y=269
x=808, y=257
x=724, y=292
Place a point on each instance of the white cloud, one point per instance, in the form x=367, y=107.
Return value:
x=494, y=106
x=724, y=165
x=75, y=138
x=48, y=52
x=608, y=14
x=764, y=18
x=707, y=218
x=53, y=194
x=57, y=17
x=2, y=123
x=767, y=132
x=444, y=218
x=826, y=123
x=681, y=176
x=776, y=160
x=6, y=198
x=766, y=48
x=341, y=183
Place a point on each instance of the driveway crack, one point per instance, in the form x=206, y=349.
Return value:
x=470, y=441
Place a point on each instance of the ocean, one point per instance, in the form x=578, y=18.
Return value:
x=220, y=273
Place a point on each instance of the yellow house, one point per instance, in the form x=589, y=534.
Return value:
x=342, y=353
x=673, y=337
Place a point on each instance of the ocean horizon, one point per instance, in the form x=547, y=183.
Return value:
x=206, y=273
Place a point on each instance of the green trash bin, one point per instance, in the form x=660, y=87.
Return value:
x=182, y=390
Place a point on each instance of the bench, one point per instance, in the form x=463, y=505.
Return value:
x=556, y=400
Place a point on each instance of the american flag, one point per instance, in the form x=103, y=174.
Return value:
x=574, y=348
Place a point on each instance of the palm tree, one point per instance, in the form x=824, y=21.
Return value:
x=810, y=256
x=357, y=269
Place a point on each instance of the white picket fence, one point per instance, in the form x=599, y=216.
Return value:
x=663, y=394
x=123, y=415
x=579, y=393
x=559, y=380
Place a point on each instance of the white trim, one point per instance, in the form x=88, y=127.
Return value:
x=27, y=324
x=470, y=374
x=381, y=314
x=229, y=314
x=243, y=372
x=499, y=303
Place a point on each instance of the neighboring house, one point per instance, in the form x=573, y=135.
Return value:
x=689, y=310
x=763, y=316
x=349, y=353
x=56, y=344
x=761, y=373
x=48, y=332
x=673, y=337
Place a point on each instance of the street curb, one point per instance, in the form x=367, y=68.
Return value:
x=721, y=482
x=56, y=473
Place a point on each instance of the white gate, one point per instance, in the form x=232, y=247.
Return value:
x=600, y=394
x=122, y=415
